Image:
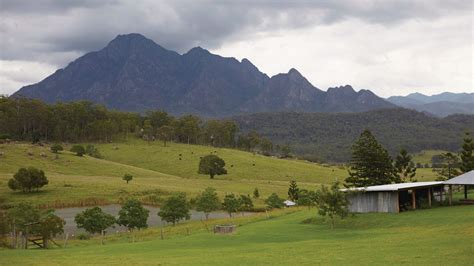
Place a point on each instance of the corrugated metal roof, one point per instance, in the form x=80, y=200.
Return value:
x=395, y=187
x=464, y=179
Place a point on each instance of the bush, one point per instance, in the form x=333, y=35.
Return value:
x=56, y=148
x=5, y=136
x=78, y=150
x=92, y=151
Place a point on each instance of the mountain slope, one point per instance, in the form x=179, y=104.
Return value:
x=134, y=73
x=329, y=136
x=442, y=105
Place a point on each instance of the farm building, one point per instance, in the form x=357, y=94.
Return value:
x=405, y=196
x=289, y=203
x=394, y=197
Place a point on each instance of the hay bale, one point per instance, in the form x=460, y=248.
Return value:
x=30, y=153
x=42, y=154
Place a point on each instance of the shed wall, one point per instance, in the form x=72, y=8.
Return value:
x=373, y=202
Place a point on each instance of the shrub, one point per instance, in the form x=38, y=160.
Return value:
x=78, y=150
x=273, y=201
x=92, y=151
x=56, y=148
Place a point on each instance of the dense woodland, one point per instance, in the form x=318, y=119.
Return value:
x=329, y=136
x=32, y=120
x=314, y=136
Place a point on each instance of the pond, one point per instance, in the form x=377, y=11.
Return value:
x=68, y=215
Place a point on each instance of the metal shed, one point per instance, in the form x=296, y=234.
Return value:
x=466, y=180
x=393, y=197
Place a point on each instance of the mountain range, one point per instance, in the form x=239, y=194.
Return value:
x=133, y=73
x=442, y=105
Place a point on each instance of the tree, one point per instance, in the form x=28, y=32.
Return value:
x=165, y=133
x=78, y=150
x=212, y=165
x=285, y=151
x=21, y=215
x=92, y=151
x=4, y=229
x=370, y=164
x=231, y=204
x=94, y=220
x=256, y=193
x=405, y=167
x=306, y=198
x=332, y=202
x=449, y=167
x=293, y=191
x=266, y=146
x=56, y=148
x=28, y=179
x=246, y=203
x=208, y=201
x=467, y=154
x=49, y=226
x=133, y=215
x=127, y=177
x=147, y=130
x=273, y=201
x=175, y=209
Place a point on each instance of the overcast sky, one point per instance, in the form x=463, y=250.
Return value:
x=392, y=47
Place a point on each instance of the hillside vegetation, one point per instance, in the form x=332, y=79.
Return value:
x=157, y=172
x=440, y=236
x=329, y=137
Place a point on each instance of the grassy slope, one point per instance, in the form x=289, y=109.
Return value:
x=440, y=236
x=73, y=179
x=424, y=157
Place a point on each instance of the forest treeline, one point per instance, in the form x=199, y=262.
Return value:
x=330, y=136
x=32, y=120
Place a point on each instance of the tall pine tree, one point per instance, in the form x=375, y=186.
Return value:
x=293, y=191
x=467, y=156
x=370, y=164
x=405, y=167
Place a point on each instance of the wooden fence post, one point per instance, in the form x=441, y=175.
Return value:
x=65, y=240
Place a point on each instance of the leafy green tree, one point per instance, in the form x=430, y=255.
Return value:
x=208, y=201
x=449, y=167
x=56, y=148
x=188, y=128
x=370, y=164
x=78, y=150
x=28, y=179
x=246, y=203
x=306, y=198
x=23, y=214
x=256, y=193
x=175, y=208
x=212, y=165
x=332, y=202
x=165, y=134
x=405, y=167
x=273, y=201
x=133, y=215
x=231, y=204
x=467, y=154
x=147, y=130
x=94, y=220
x=50, y=225
x=127, y=177
x=293, y=191
x=266, y=146
x=285, y=151
x=4, y=229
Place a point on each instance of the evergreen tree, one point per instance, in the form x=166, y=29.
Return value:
x=293, y=191
x=256, y=193
x=467, y=156
x=370, y=164
x=449, y=167
x=405, y=167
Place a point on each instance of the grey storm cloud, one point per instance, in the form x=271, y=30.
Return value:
x=52, y=31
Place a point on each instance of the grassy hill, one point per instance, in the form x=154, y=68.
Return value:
x=439, y=236
x=157, y=172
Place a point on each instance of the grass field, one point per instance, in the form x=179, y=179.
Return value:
x=424, y=157
x=439, y=236
x=157, y=172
